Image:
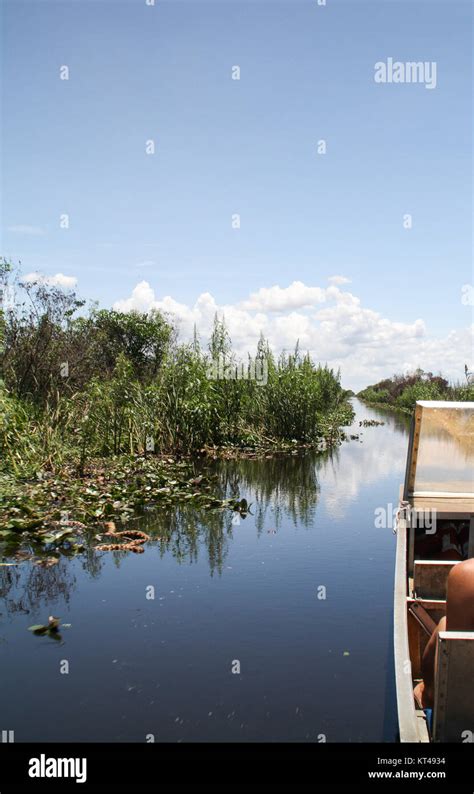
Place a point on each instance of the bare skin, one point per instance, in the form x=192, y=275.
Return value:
x=459, y=617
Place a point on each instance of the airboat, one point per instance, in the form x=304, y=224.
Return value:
x=438, y=493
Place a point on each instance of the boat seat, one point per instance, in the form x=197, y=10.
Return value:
x=430, y=576
x=453, y=718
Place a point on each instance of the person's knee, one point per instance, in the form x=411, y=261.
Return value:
x=460, y=596
x=461, y=576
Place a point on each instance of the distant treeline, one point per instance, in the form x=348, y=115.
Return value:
x=79, y=383
x=402, y=391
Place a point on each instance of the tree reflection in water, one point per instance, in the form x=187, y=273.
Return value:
x=24, y=587
x=279, y=487
x=182, y=531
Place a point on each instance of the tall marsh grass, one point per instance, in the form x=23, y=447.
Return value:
x=131, y=388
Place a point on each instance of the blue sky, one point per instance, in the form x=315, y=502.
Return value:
x=248, y=146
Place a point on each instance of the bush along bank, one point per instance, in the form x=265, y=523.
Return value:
x=103, y=412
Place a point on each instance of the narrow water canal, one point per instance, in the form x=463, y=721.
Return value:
x=252, y=593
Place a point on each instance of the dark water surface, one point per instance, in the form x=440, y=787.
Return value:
x=224, y=592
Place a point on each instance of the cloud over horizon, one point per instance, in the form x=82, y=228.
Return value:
x=328, y=322
x=59, y=280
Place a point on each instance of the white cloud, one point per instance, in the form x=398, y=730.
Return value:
x=59, y=280
x=25, y=229
x=330, y=323
x=141, y=299
x=276, y=299
x=338, y=280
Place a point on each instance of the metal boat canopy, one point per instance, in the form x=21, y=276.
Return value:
x=440, y=463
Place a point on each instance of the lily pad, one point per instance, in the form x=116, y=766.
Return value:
x=56, y=537
x=38, y=629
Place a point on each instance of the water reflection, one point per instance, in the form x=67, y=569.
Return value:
x=378, y=454
x=226, y=587
x=184, y=532
x=288, y=485
x=446, y=450
x=24, y=587
x=279, y=488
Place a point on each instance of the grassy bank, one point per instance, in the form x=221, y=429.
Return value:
x=402, y=391
x=96, y=405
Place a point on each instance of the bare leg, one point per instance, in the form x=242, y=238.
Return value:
x=459, y=617
x=424, y=691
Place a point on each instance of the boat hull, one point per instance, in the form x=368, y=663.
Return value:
x=411, y=721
